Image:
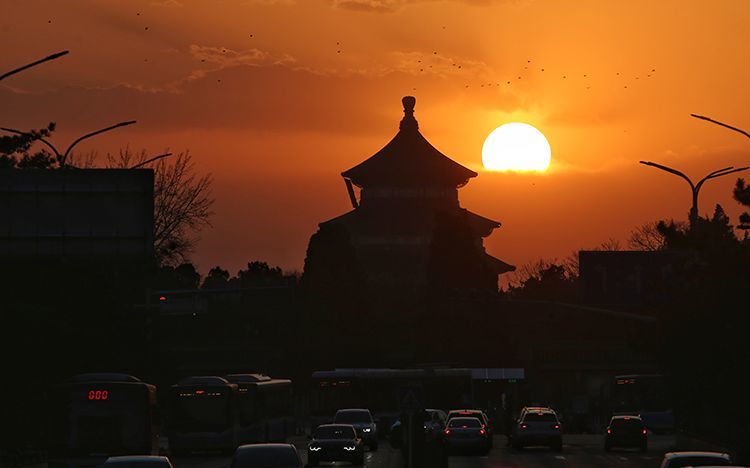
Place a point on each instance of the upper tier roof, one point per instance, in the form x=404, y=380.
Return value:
x=409, y=160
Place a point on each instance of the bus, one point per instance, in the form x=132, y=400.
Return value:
x=202, y=415
x=265, y=408
x=94, y=416
x=644, y=395
x=379, y=390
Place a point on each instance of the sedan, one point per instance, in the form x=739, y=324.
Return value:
x=335, y=442
x=467, y=433
x=266, y=456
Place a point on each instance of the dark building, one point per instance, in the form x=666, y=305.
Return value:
x=407, y=232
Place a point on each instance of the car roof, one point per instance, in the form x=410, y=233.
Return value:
x=336, y=425
x=344, y=410
x=137, y=458
x=673, y=455
x=624, y=417
x=249, y=447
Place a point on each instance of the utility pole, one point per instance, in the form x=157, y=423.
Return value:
x=695, y=188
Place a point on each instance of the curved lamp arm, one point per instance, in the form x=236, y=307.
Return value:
x=670, y=170
x=50, y=145
x=45, y=59
x=89, y=135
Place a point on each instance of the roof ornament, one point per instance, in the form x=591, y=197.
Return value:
x=409, y=122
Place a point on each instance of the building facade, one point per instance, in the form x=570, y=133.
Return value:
x=407, y=232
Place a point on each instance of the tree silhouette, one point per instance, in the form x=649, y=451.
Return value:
x=182, y=202
x=217, y=278
x=742, y=195
x=647, y=238
x=16, y=150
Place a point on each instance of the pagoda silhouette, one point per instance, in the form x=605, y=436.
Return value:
x=407, y=234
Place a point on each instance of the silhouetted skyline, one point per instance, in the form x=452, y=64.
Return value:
x=274, y=98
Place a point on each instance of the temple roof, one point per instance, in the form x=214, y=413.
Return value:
x=409, y=160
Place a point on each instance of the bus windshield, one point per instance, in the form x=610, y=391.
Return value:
x=200, y=413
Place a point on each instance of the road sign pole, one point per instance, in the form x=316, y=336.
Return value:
x=410, y=443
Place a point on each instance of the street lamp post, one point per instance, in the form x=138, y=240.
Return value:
x=62, y=158
x=32, y=64
x=695, y=188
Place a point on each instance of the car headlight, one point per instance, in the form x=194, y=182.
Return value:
x=315, y=449
x=350, y=448
x=367, y=429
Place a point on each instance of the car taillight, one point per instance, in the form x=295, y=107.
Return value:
x=482, y=432
x=555, y=426
x=447, y=432
x=645, y=432
x=524, y=426
x=609, y=431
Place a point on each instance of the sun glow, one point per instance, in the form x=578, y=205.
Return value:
x=516, y=146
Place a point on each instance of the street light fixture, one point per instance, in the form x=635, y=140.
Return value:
x=45, y=59
x=708, y=119
x=695, y=188
x=61, y=158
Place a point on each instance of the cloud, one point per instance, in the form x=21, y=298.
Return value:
x=167, y=3
x=272, y=98
x=389, y=6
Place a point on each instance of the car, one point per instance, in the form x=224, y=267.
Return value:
x=335, y=442
x=362, y=421
x=266, y=456
x=684, y=459
x=540, y=426
x=474, y=413
x=138, y=461
x=626, y=432
x=467, y=432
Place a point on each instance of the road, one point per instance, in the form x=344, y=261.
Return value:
x=579, y=451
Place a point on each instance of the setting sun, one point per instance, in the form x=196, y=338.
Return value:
x=516, y=146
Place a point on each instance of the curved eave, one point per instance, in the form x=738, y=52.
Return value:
x=408, y=157
x=480, y=225
x=497, y=265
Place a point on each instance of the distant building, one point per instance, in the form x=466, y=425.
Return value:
x=407, y=232
x=631, y=278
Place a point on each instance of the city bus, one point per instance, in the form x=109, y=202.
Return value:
x=265, y=408
x=94, y=416
x=379, y=390
x=202, y=415
x=644, y=395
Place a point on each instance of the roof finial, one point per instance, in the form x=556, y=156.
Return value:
x=409, y=122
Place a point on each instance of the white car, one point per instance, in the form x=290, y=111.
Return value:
x=138, y=461
x=685, y=459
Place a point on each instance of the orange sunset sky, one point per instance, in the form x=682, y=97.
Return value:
x=276, y=97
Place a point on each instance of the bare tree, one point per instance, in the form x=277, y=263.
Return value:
x=647, y=237
x=182, y=201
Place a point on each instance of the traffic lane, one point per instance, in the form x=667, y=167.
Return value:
x=384, y=457
x=579, y=451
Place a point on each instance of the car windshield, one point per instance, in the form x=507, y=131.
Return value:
x=698, y=460
x=539, y=417
x=334, y=432
x=349, y=417
x=284, y=456
x=465, y=422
